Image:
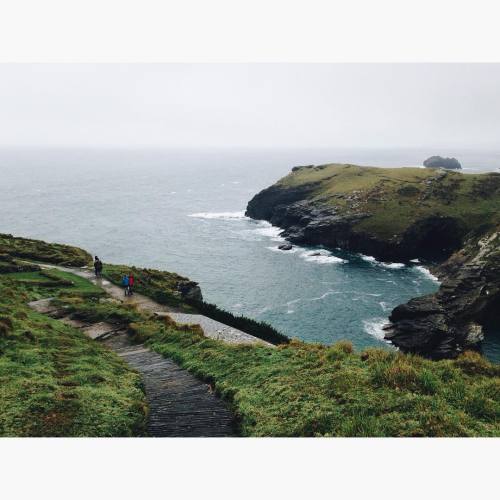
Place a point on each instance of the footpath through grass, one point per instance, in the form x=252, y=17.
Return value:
x=54, y=381
x=300, y=389
x=311, y=390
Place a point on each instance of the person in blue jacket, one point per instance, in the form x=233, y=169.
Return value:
x=125, y=283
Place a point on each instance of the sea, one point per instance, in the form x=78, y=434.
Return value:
x=183, y=211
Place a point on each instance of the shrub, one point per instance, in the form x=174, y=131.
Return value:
x=427, y=381
x=339, y=350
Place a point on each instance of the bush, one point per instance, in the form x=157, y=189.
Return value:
x=259, y=329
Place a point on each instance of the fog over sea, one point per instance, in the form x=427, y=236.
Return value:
x=183, y=211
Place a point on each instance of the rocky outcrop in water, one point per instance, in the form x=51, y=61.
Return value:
x=440, y=162
x=400, y=215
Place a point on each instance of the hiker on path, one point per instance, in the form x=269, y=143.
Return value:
x=125, y=284
x=97, y=267
x=131, y=282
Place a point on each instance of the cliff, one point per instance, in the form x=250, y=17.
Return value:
x=445, y=218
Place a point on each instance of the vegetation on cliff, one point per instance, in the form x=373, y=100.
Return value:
x=389, y=201
x=54, y=381
x=41, y=251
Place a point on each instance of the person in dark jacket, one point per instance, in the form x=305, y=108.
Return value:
x=97, y=267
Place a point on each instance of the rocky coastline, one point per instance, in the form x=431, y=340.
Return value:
x=324, y=206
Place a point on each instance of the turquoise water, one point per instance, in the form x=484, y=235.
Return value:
x=183, y=211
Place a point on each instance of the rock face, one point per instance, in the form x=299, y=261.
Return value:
x=400, y=215
x=440, y=162
x=190, y=290
x=443, y=324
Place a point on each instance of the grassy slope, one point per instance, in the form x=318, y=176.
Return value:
x=303, y=389
x=309, y=390
x=398, y=196
x=54, y=381
x=41, y=251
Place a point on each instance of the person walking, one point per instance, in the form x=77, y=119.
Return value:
x=97, y=267
x=131, y=282
x=125, y=284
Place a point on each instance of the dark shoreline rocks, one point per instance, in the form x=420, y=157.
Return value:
x=440, y=325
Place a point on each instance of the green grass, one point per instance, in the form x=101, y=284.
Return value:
x=303, y=389
x=54, y=381
x=397, y=197
x=41, y=251
x=311, y=390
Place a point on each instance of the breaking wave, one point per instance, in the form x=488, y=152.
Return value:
x=387, y=265
x=321, y=257
x=220, y=215
x=427, y=273
x=374, y=327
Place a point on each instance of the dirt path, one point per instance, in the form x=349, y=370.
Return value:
x=211, y=328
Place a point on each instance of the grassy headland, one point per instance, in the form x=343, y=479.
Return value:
x=398, y=215
x=395, y=198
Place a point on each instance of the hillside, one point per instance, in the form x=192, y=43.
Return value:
x=400, y=214
x=57, y=382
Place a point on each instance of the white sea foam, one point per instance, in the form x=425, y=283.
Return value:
x=374, y=327
x=220, y=215
x=387, y=265
x=415, y=261
x=385, y=306
x=326, y=294
x=368, y=258
x=321, y=257
x=392, y=265
x=427, y=273
x=266, y=229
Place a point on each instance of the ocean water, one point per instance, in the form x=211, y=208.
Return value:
x=183, y=211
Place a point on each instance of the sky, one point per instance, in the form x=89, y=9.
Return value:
x=250, y=105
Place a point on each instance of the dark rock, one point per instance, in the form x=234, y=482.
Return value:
x=440, y=162
x=443, y=324
x=190, y=290
x=285, y=246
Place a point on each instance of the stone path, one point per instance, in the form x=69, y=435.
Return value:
x=211, y=328
x=179, y=404
x=214, y=329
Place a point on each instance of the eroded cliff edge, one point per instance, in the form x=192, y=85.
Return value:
x=447, y=219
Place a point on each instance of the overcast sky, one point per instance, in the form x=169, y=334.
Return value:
x=254, y=105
